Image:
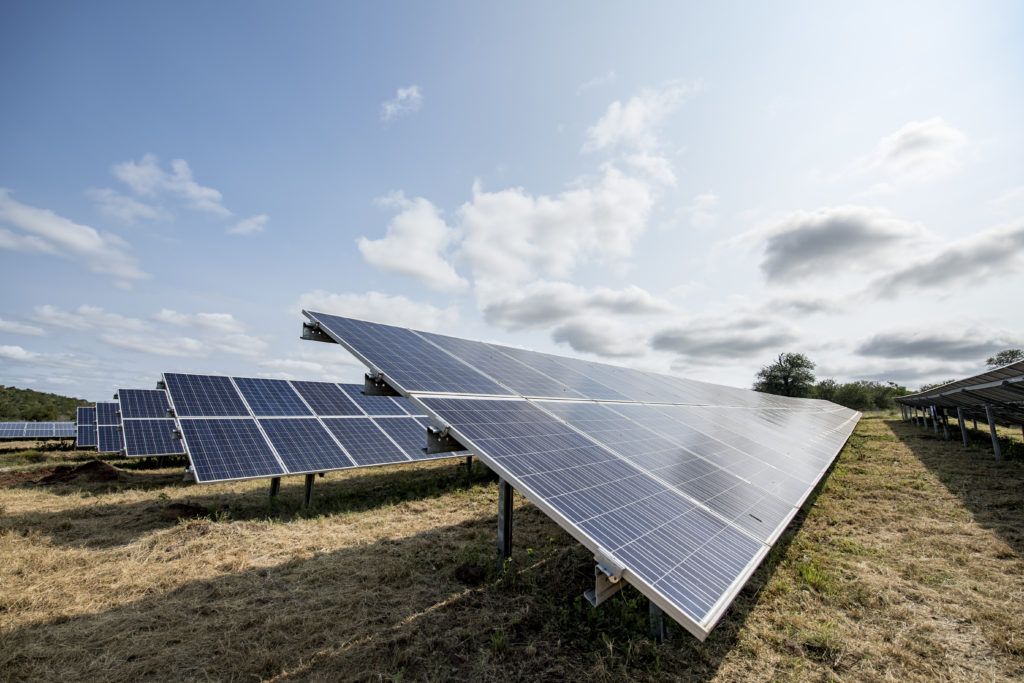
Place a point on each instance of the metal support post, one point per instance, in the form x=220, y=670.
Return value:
x=275, y=486
x=963, y=429
x=935, y=420
x=945, y=425
x=657, y=622
x=992, y=430
x=469, y=464
x=504, y=523
x=309, y=489
x=975, y=424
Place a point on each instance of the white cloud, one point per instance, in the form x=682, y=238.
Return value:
x=86, y=317
x=19, y=354
x=415, y=244
x=545, y=303
x=657, y=168
x=250, y=225
x=407, y=100
x=830, y=240
x=721, y=338
x=602, y=336
x=512, y=236
x=224, y=322
x=12, y=327
x=635, y=122
x=124, y=208
x=146, y=178
x=382, y=308
x=157, y=344
x=919, y=151
x=703, y=211
x=43, y=230
x=596, y=82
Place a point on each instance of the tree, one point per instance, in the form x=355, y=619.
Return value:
x=826, y=389
x=790, y=375
x=1005, y=358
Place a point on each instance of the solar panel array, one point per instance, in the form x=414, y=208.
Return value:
x=241, y=428
x=108, y=428
x=684, y=485
x=37, y=430
x=1001, y=389
x=146, y=423
x=85, y=430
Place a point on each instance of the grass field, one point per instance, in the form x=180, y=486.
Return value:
x=908, y=566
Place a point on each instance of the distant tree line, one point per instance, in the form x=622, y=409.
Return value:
x=28, y=404
x=792, y=374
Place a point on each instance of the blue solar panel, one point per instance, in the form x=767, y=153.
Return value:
x=204, y=395
x=12, y=430
x=38, y=430
x=86, y=436
x=326, y=399
x=305, y=445
x=64, y=430
x=271, y=397
x=151, y=437
x=107, y=414
x=366, y=444
x=222, y=449
x=411, y=435
x=408, y=360
x=86, y=415
x=142, y=403
x=109, y=439
x=375, y=405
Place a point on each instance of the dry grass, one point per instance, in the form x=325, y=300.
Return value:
x=908, y=567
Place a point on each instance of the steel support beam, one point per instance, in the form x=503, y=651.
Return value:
x=935, y=420
x=275, y=486
x=963, y=429
x=469, y=464
x=992, y=431
x=504, y=523
x=945, y=425
x=309, y=489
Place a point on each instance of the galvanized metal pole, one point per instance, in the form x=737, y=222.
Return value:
x=309, y=489
x=992, y=430
x=945, y=425
x=935, y=420
x=469, y=464
x=963, y=429
x=657, y=622
x=275, y=486
x=504, y=523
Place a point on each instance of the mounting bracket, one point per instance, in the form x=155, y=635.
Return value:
x=311, y=332
x=607, y=580
x=440, y=441
x=374, y=384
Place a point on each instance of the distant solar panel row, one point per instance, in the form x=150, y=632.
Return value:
x=241, y=427
x=37, y=430
x=683, y=484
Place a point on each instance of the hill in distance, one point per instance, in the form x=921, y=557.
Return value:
x=27, y=404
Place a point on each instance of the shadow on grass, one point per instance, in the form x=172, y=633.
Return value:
x=111, y=524
x=989, y=489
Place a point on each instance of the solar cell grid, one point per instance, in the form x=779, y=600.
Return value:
x=364, y=442
x=269, y=397
x=86, y=415
x=326, y=399
x=204, y=395
x=151, y=437
x=109, y=439
x=228, y=448
x=138, y=403
x=372, y=405
x=107, y=414
x=305, y=446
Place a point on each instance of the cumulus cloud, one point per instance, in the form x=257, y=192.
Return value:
x=601, y=336
x=124, y=208
x=157, y=345
x=727, y=338
x=250, y=225
x=918, y=151
x=703, y=211
x=544, y=303
x=821, y=243
x=13, y=327
x=606, y=78
x=406, y=101
x=416, y=244
x=382, y=308
x=86, y=317
x=802, y=305
x=223, y=322
x=972, y=261
x=19, y=354
x=29, y=228
x=146, y=178
x=969, y=345
x=635, y=121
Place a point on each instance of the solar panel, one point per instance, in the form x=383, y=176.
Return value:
x=64, y=430
x=143, y=403
x=227, y=449
x=289, y=427
x=271, y=397
x=204, y=395
x=326, y=400
x=109, y=439
x=151, y=437
x=12, y=430
x=683, y=485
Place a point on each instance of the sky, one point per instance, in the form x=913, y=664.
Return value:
x=688, y=188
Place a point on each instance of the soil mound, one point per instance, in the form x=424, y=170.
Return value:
x=94, y=471
x=183, y=511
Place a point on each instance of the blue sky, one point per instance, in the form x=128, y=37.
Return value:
x=679, y=187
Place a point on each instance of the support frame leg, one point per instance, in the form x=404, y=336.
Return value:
x=963, y=427
x=996, y=450
x=275, y=486
x=505, y=493
x=308, y=493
